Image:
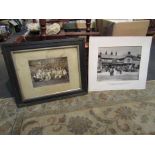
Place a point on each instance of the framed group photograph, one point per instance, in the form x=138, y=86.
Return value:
x=117, y=63
x=46, y=70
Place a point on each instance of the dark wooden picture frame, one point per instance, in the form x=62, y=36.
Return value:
x=8, y=51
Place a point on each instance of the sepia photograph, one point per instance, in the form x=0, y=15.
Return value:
x=118, y=63
x=49, y=71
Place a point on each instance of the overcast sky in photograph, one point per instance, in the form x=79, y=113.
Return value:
x=121, y=50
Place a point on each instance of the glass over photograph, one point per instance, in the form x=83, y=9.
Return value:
x=49, y=71
x=118, y=63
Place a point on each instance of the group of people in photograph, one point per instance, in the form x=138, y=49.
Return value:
x=118, y=69
x=44, y=74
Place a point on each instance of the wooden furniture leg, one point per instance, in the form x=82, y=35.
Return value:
x=88, y=23
x=42, y=23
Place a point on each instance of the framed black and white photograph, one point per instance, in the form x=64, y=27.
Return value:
x=49, y=71
x=118, y=62
x=46, y=70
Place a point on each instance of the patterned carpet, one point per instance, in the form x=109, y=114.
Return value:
x=109, y=112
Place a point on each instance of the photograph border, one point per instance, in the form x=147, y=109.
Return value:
x=96, y=42
x=8, y=49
